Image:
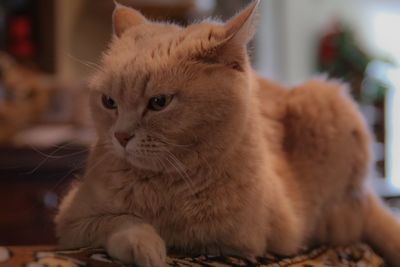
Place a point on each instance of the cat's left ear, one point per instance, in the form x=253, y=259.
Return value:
x=124, y=18
x=241, y=28
x=229, y=48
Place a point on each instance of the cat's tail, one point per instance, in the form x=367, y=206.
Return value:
x=382, y=231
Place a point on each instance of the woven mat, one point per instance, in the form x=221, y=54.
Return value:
x=357, y=256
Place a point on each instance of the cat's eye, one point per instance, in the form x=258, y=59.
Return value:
x=108, y=102
x=160, y=102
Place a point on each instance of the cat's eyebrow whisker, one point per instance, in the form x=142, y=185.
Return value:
x=88, y=64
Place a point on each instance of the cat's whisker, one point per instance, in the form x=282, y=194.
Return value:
x=160, y=162
x=50, y=156
x=77, y=167
x=185, y=177
x=106, y=145
x=178, y=162
x=47, y=157
x=156, y=160
x=204, y=160
x=179, y=165
x=168, y=142
x=93, y=166
x=125, y=170
x=181, y=169
x=191, y=150
x=62, y=156
x=59, y=182
x=176, y=146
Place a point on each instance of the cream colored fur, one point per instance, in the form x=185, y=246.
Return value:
x=235, y=164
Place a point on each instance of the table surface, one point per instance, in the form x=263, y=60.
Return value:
x=45, y=256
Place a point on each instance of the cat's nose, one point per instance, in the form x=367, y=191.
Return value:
x=123, y=137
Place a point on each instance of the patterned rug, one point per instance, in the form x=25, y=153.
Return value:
x=355, y=256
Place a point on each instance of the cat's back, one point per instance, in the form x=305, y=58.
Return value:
x=316, y=129
x=271, y=101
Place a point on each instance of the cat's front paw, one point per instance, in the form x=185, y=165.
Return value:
x=138, y=244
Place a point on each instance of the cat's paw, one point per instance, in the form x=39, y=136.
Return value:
x=138, y=244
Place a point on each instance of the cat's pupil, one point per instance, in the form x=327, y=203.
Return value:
x=158, y=102
x=108, y=102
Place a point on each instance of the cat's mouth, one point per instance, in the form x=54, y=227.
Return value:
x=156, y=161
x=145, y=162
x=154, y=154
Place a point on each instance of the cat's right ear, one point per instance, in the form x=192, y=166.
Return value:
x=124, y=18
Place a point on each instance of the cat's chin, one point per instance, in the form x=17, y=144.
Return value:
x=137, y=162
x=143, y=163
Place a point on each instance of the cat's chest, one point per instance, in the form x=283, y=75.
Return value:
x=171, y=203
x=179, y=213
x=143, y=198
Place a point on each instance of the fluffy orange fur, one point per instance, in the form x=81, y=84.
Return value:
x=234, y=164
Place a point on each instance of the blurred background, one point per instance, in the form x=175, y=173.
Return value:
x=48, y=48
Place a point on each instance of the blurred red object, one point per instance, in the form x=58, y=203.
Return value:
x=21, y=43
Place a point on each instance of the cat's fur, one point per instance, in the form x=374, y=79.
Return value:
x=235, y=164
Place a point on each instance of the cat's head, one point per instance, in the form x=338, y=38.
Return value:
x=169, y=95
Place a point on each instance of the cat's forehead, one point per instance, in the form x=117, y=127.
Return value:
x=140, y=41
x=150, y=49
x=152, y=44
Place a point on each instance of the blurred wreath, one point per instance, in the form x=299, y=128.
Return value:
x=341, y=56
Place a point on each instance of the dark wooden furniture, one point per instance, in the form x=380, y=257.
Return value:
x=31, y=183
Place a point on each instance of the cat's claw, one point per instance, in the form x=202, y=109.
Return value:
x=139, y=244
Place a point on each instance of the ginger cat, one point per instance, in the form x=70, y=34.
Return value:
x=195, y=152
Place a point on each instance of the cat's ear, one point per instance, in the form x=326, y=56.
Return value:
x=242, y=27
x=229, y=48
x=124, y=18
